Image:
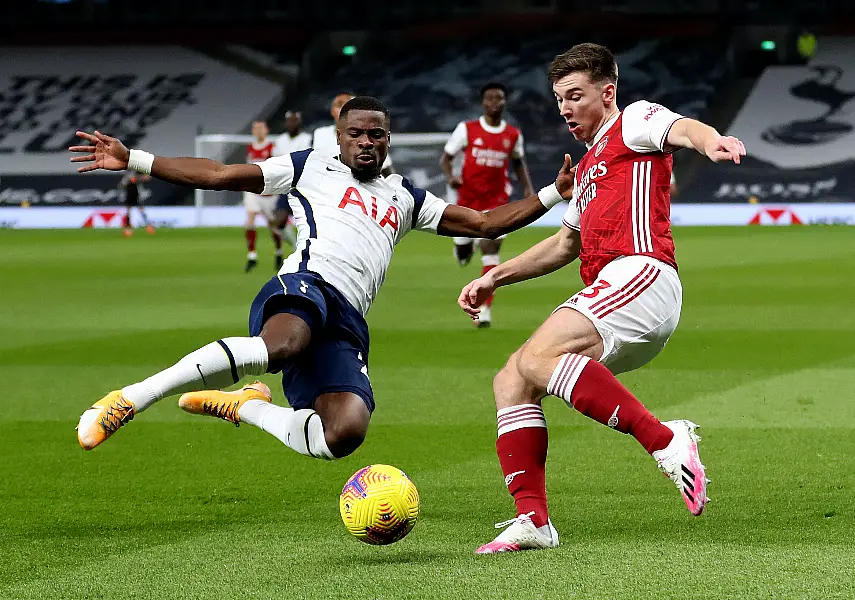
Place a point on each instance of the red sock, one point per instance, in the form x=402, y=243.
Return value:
x=521, y=447
x=250, y=239
x=489, y=262
x=592, y=390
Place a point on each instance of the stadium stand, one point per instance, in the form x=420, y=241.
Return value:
x=161, y=103
x=443, y=80
x=799, y=124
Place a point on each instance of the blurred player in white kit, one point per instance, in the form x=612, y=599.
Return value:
x=292, y=140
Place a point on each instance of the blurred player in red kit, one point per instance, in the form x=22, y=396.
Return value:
x=258, y=151
x=489, y=144
x=618, y=225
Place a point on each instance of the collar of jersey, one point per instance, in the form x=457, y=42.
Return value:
x=489, y=128
x=606, y=126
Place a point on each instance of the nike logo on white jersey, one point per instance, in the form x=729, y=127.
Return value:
x=612, y=422
x=509, y=479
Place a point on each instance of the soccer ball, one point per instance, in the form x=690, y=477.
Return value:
x=379, y=505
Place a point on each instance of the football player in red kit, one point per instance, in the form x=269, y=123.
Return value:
x=258, y=151
x=618, y=225
x=488, y=144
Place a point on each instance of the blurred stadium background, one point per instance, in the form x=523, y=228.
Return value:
x=779, y=77
x=181, y=507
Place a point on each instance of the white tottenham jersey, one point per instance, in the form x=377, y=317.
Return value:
x=285, y=144
x=325, y=142
x=347, y=229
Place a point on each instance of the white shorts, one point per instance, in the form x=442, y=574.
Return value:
x=256, y=203
x=635, y=305
x=463, y=241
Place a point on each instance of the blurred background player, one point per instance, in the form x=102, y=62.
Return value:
x=132, y=183
x=258, y=151
x=324, y=138
x=489, y=143
x=292, y=140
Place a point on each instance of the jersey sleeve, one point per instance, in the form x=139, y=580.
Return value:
x=278, y=175
x=519, y=148
x=572, y=218
x=457, y=141
x=430, y=213
x=646, y=126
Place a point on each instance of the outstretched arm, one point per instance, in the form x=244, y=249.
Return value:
x=549, y=255
x=465, y=222
x=110, y=154
x=688, y=133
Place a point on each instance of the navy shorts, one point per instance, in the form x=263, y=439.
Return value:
x=336, y=360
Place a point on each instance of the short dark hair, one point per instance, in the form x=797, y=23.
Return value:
x=493, y=85
x=596, y=60
x=364, y=103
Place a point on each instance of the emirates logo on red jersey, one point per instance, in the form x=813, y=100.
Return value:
x=601, y=146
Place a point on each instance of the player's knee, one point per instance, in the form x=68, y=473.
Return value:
x=508, y=378
x=343, y=438
x=533, y=367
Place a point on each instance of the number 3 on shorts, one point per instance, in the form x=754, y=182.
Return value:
x=593, y=290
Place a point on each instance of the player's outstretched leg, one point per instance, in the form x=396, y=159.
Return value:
x=219, y=364
x=594, y=391
x=334, y=428
x=521, y=447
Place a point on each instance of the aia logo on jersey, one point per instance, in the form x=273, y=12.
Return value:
x=601, y=146
x=353, y=197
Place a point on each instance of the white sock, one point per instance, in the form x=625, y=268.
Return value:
x=215, y=366
x=490, y=260
x=294, y=428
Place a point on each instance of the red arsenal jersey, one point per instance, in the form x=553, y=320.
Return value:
x=622, y=200
x=486, y=160
x=256, y=152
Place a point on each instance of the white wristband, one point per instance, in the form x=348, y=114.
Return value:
x=141, y=161
x=550, y=196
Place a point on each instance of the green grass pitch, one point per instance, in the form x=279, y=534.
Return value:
x=177, y=506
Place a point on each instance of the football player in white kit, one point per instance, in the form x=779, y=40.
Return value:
x=307, y=322
x=292, y=140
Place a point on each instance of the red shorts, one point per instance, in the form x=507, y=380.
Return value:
x=481, y=203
